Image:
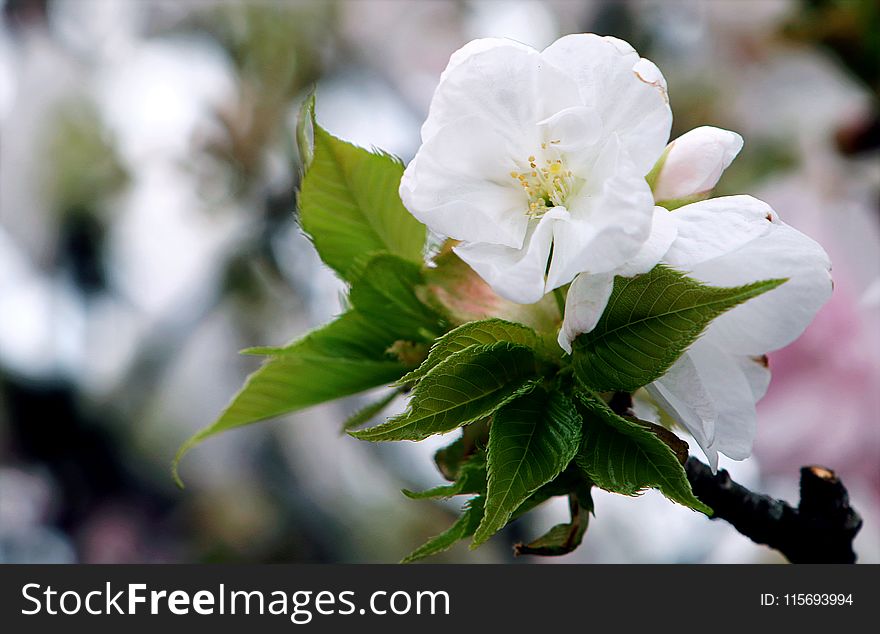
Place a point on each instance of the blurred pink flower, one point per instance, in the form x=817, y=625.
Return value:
x=823, y=405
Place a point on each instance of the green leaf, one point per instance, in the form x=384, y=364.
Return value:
x=559, y=540
x=649, y=322
x=305, y=143
x=345, y=357
x=562, y=538
x=350, y=207
x=465, y=387
x=623, y=456
x=568, y=483
x=474, y=437
x=350, y=335
x=471, y=479
x=369, y=411
x=473, y=334
x=342, y=358
x=572, y=480
x=291, y=382
x=531, y=441
x=385, y=293
x=450, y=458
x=464, y=527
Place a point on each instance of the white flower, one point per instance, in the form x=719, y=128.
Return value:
x=713, y=388
x=688, y=170
x=589, y=292
x=693, y=163
x=525, y=153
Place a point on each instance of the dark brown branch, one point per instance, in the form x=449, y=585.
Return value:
x=820, y=530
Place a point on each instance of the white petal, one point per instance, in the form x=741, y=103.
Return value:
x=647, y=71
x=573, y=128
x=757, y=373
x=460, y=186
x=716, y=227
x=681, y=394
x=663, y=233
x=516, y=274
x=611, y=219
x=644, y=407
x=776, y=318
x=695, y=161
x=584, y=304
x=733, y=397
x=480, y=45
x=589, y=293
x=506, y=83
x=629, y=93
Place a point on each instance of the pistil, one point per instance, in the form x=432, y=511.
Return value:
x=547, y=185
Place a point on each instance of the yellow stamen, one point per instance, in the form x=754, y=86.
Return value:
x=545, y=187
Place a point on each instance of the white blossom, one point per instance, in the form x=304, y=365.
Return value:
x=536, y=161
x=713, y=388
x=688, y=170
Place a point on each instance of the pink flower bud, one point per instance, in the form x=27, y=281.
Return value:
x=694, y=162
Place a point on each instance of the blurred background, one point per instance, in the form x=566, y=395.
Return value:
x=147, y=233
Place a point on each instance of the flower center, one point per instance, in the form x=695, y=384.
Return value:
x=546, y=185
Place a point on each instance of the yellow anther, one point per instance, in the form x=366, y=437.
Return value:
x=546, y=186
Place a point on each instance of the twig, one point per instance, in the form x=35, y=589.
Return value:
x=820, y=530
